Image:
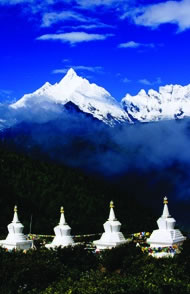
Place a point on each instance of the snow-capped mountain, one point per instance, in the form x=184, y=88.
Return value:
x=74, y=92
x=171, y=102
x=89, y=98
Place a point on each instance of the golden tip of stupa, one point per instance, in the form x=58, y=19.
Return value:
x=111, y=204
x=165, y=200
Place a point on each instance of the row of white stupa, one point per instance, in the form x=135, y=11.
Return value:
x=166, y=235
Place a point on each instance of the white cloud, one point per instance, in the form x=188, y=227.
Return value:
x=66, y=60
x=91, y=23
x=176, y=12
x=13, y=2
x=132, y=44
x=126, y=80
x=94, y=3
x=88, y=68
x=149, y=83
x=145, y=82
x=50, y=15
x=38, y=5
x=35, y=5
x=60, y=70
x=79, y=68
x=53, y=17
x=50, y=18
x=92, y=26
x=36, y=2
x=74, y=37
x=82, y=3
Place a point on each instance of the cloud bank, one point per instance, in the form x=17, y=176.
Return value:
x=132, y=44
x=141, y=146
x=150, y=83
x=174, y=12
x=152, y=15
x=54, y=17
x=74, y=37
x=82, y=68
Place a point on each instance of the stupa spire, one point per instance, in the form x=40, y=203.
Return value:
x=112, y=213
x=62, y=217
x=165, y=213
x=15, y=217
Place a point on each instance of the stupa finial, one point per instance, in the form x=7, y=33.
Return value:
x=165, y=210
x=62, y=218
x=15, y=217
x=112, y=214
x=111, y=204
x=165, y=200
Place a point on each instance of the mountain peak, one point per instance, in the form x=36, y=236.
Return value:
x=70, y=74
x=71, y=78
x=88, y=97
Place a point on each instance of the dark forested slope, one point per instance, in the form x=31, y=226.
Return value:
x=40, y=187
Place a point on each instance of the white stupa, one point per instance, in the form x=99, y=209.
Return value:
x=112, y=236
x=166, y=235
x=62, y=233
x=16, y=239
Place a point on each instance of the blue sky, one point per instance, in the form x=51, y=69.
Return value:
x=122, y=45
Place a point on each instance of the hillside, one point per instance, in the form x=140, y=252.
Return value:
x=40, y=187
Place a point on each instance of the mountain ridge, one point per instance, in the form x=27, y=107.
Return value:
x=48, y=103
x=170, y=102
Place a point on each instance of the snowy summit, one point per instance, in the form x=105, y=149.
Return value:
x=171, y=102
x=89, y=98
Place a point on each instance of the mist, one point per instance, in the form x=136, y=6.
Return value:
x=111, y=150
x=151, y=158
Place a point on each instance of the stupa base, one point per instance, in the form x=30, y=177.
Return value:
x=163, y=254
x=165, y=238
x=165, y=244
x=26, y=245
x=103, y=245
x=62, y=245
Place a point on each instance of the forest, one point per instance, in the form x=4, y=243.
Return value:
x=39, y=187
x=124, y=269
